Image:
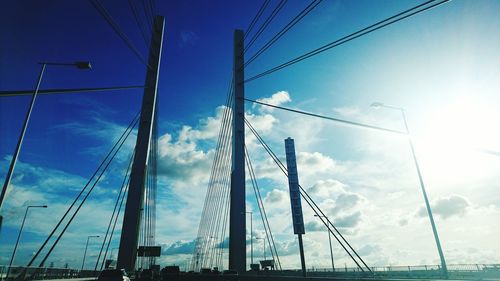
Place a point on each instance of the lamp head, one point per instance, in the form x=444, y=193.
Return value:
x=377, y=105
x=83, y=65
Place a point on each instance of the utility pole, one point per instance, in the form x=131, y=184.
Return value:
x=127, y=252
x=293, y=185
x=237, y=226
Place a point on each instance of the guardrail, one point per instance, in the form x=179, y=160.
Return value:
x=455, y=271
x=21, y=273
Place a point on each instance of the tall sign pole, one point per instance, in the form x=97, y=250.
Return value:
x=293, y=185
x=237, y=225
x=131, y=221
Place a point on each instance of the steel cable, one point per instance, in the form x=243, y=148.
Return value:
x=256, y=18
x=115, y=208
x=266, y=23
x=386, y=22
x=284, y=30
x=309, y=200
x=104, y=13
x=83, y=190
x=85, y=198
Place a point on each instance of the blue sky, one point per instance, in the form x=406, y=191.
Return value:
x=441, y=66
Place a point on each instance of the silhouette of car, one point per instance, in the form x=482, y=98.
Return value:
x=113, y=275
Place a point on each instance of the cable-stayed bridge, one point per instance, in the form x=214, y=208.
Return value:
x=221, y=242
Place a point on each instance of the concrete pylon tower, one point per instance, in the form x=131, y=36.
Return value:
x=237, y=224
x=127, y=253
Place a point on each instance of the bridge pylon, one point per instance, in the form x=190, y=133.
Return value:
x=237, y=223
x=127, y=253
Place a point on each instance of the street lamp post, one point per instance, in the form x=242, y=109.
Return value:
x=422, y=186
x=19, y=236
x=329, y=241
x=251, y=240
x=8, y=177
x=86, y=246
x=214, y=244
x=112, y=249
x=264, y=242
x=221, y=259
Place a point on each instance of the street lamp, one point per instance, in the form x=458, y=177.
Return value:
x=86, y=246
x=329, y=240
x=264, y=242
x=214, y=239
x=112, y=249
x=422, y=186
x=19, y=236
x=251, y=240
x=8, y=177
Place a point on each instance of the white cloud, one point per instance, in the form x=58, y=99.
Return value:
x=275, y=196
x=371, y=197
x=325, y=188
x=183, y=160
x=348, y=221
x=447, y=207
x=277, y=99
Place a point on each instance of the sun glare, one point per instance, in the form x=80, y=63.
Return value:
x=455, y=138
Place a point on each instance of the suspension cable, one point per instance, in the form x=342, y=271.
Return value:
x=266, y=23
x=217, y=186
x=256, y=18
x=147, y=14
x=328, y=118
x=216, y=189
x=116, y=220
x=262, y=210
x=83, y=189
x=111, y=22
x=86, y=196
x=284, y=30
x=138, y=21
x=115, y=209
x=309, y=200
x=381, y=24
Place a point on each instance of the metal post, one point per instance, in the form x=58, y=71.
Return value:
x=422, y=186
x=127, y=252
x=86, y=246
x=237, y=226
x=85, y=253
x=329, y=241
x=264, y=241
x=19, y=238
x=251, y=240
x=426, y=199
x=13, y=162
x=331, y=250
x=8, y=178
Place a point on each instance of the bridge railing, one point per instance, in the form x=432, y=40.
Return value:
x=21, y=273
x=455, y=271
x=408, y=268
